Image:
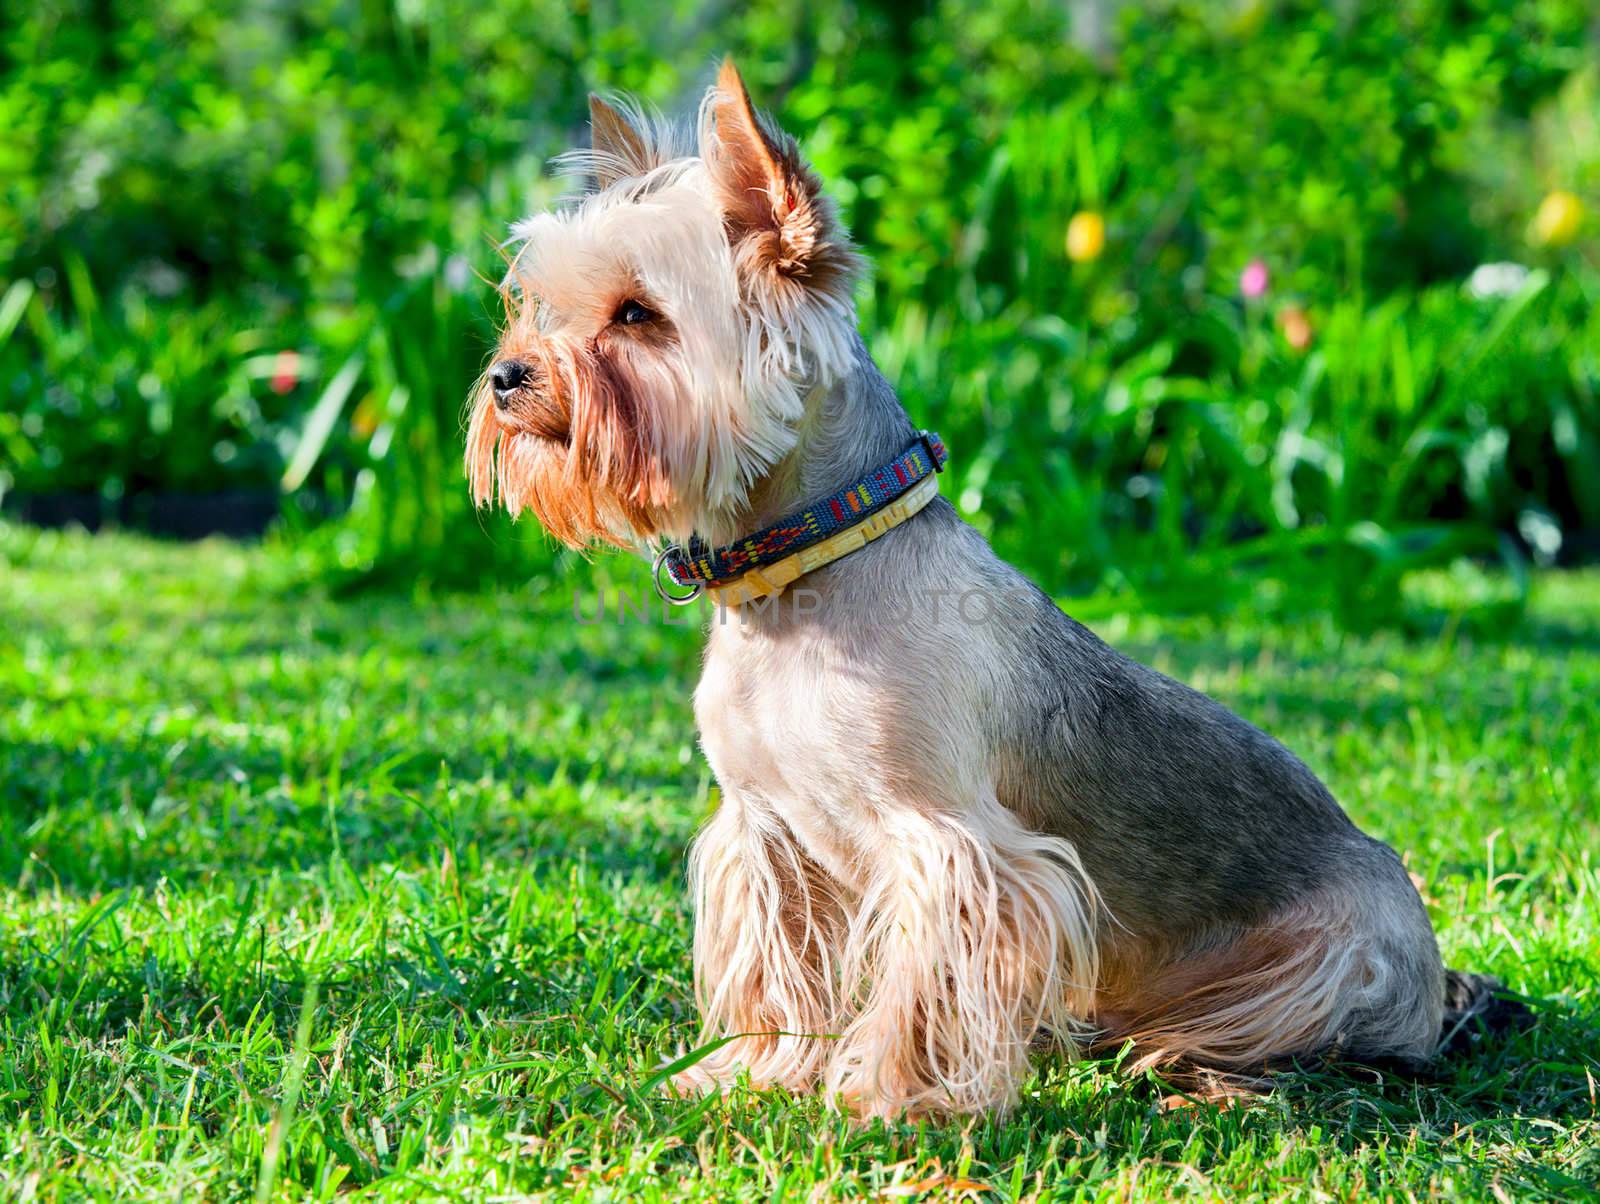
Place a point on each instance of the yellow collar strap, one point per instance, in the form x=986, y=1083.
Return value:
x=771, y=580
x=762, y=563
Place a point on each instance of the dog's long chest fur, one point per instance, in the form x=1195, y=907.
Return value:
x=953, y=822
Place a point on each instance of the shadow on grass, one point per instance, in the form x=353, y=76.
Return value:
x=89, y=818
x=1482, y=1110
x=406, y=1028
x=1497, y=1089
x=1489, y=1115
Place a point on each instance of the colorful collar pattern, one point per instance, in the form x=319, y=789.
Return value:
x=708, y=568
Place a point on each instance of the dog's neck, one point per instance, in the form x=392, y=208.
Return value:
x=852, y=425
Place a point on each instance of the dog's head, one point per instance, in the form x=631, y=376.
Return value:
x=664, y=330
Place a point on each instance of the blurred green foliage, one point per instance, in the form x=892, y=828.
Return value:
x=250, y=245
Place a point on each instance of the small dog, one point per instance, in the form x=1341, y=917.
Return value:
x=940, y=841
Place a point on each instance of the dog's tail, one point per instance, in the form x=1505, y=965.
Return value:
x=1476, y=1004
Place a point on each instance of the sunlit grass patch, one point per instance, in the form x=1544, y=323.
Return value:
x=455, y=827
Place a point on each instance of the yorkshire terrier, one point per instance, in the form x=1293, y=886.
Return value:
x=941, y=841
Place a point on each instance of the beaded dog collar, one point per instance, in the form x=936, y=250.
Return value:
x=766, y=562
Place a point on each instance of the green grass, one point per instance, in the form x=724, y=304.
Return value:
x=302, y=896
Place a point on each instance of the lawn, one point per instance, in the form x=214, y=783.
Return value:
x=303, y=895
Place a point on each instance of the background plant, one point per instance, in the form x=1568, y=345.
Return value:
x=250, y=251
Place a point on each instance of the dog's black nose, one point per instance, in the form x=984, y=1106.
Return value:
x=507, y=377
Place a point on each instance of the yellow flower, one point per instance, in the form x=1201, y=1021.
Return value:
x=1556, y=224
x=1086, y=236
x=1296, y=327
x=1247, y=17
x=365, y=420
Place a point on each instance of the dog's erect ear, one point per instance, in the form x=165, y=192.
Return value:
x=784, y=230
x=620, y=148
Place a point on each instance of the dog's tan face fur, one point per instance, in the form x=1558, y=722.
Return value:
x=939, y=840
x=673, y=323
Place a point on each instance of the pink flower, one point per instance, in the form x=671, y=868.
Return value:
x=1254, y=279
x=286, y=372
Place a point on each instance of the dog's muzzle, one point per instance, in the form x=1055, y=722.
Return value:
x=524, y=402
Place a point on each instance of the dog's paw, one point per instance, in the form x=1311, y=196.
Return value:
x=868, y=1097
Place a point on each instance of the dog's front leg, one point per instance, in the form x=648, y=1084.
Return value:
x=973, y=937
x=769, y=925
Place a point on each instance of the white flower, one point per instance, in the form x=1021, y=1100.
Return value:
x=1496, y=280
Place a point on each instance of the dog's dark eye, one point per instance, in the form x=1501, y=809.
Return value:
x=632, y=313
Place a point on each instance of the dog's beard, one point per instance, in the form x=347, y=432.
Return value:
x=581, y=451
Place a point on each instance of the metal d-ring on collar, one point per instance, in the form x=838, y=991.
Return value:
x=695, y=588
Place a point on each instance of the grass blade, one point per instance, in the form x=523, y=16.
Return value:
x=319, y=424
